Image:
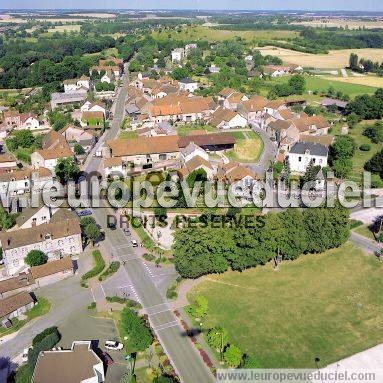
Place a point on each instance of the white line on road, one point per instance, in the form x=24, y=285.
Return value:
x=166, y=326
x=161, y=311
x=102, y=290
x=94, y=300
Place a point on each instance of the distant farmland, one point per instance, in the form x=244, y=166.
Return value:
x=334, y=59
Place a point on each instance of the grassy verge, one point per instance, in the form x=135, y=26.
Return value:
x=99, y=265
x=112, y=268
x=365, y=231
x=41, y=308
x=316, y=306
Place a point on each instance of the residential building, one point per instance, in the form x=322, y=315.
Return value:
x=74, y=135
x=194, y=164
x=55, y=239
x=113, y=167
x=188, y=85
x=225, y=93
x=253, y=108
x=7, y=161
x=19, y=182
x=17, y=120
x=48, y=158
x=93, y=118
x=14, y=306
x=145, y=152
x=304, y=153
x=192, y=150
x=339, y=105
x=274, y=106
x=227, y=119
x=34, y=216
x=280, y=129
x=80, y=364
x=16, y=284
x=177, y=55
x=108, y=76
x=232, y=101
x=52, y=271
x=77, y=84
x=189, y=48
x=97, y=106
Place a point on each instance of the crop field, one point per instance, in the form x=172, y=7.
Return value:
x=65, y=28
x=341, y=23
x=315, y=306
x=206, y=33
x=370, y=80
x=334, y=59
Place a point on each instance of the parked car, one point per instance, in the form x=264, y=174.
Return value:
x=24, y=357
x=83, y=213
x=127, y=231
x=113, y=345
x=107, y=358
x=112, y=226
x=134, y=243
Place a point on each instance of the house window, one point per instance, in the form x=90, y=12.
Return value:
x=162, y=157
x=299, y=159
x=314, y=160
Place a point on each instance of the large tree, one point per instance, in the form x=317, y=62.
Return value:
x=67, y=169
x=36, y=258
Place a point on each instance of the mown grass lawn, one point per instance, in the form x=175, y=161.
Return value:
x=365, y=231
x=247, y=149
x=185, y=130
x=325, y=305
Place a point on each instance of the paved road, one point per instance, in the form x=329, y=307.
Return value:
x=269, y=153
x=367, y=244
x=185, y=358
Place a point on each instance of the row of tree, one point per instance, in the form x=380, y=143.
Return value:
x=286, y=235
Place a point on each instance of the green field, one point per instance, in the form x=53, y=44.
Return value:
x=316, y=306
x=185, y=130
x=321, y=84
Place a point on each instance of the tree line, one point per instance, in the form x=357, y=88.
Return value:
x=210, y=248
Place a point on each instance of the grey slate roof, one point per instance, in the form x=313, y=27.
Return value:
x=187, y=81
x=313, y=148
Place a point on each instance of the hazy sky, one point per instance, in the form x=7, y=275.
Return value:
x=351, y=5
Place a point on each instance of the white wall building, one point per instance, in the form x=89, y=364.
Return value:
x=302, y=153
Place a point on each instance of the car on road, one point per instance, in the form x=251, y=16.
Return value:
x=127, y=231
x=112, y=226
x=24, y=357
x=134, y=243
x=83, y=213
x=106, y=358
x=113, y=345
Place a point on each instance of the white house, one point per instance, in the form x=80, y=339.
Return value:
x=189, y=48
x=302, y=153
x=73, y=85
x=79, y=364
x=194, y=164
x=96, y=106
x=48, y=158
x=193, y=150
x=113, y=166
x=108, y=77
x=15, y=306
x=55, y=239
x=228, y=119
x=188, y=85
x=178, y=54
x=21, y=120
x=35, y=216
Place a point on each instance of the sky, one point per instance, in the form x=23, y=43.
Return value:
x=348, y=5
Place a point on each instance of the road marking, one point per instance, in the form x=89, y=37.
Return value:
x=148, y=270
x=94, y=300
x=165, y=326
x=150, y=307
x=102, y=290
x=160, y=312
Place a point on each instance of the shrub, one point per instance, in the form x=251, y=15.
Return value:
x=355, y=223
x=113, y=267
x=365, y=147
x=39, y=337
x=99, y=265
x=36, y=258
x=149, y=257
x=92, y=306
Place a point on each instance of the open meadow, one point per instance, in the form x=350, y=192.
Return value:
x=334, y=59
x=315, y=306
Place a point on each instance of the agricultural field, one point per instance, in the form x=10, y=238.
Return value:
x=368, y=80
x=312, y=307
x=65, y=28
x=248, y=148
x=341, y=23
x=206, y=33
x=335, y=59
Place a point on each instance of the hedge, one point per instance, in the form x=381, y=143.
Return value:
x=98, y=267
x=112, y=268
